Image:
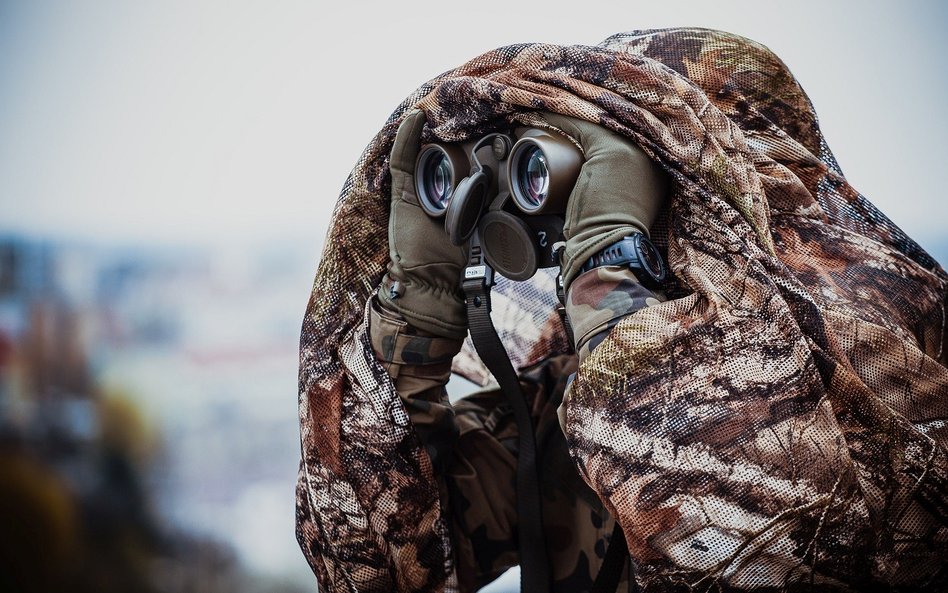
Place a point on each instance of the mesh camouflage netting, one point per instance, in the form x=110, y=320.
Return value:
x=779, y=422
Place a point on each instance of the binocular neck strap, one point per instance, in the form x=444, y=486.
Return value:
x=535, y=574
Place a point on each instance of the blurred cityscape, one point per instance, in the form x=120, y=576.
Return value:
x=148, y=419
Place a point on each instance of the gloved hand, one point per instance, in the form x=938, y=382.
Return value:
x=423, y=282
x=619, y=191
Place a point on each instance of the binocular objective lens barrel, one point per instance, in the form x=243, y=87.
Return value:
x=434, y=180
x=533, y=177
x=438, y=181
x=437, y=173
x=542, y=170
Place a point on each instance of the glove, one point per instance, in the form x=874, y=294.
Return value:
x=619, y=191
x=423, y=282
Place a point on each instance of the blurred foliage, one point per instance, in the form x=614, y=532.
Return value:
x=74, y=460
x=125, y=428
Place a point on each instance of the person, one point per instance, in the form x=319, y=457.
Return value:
x=769, y=416
x=473, y=444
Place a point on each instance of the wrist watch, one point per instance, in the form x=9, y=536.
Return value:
x=637, y=252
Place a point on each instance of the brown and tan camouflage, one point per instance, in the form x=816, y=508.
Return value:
x=419, y=365
x=473, y=444
x=777, y=424
x=599, y=299
x=398, y=343
x=481, y=484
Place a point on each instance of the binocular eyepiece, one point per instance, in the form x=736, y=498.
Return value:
x=512, y=188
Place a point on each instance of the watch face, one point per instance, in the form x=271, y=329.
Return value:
x=651, y=259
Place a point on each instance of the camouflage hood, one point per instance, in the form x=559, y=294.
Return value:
x=782, y=413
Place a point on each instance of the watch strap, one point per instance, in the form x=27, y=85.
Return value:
x=628, y=251
x=620, y=253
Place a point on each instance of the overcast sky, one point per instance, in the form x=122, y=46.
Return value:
x=238, y=121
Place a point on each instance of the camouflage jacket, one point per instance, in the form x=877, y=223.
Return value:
x=778, y=423
x=474, y=447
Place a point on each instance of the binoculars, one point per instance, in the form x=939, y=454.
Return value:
x=509, y=189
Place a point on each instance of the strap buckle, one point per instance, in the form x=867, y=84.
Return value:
x=477, y=269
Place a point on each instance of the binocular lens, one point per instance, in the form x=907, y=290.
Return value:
x=437, y=181
x=542, y=170
x=533, y=177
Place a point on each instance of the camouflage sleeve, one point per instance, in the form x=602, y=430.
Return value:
x=419, y=364
x=598, y=299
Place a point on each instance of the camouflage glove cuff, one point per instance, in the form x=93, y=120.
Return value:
x=599, y=299
x=395, y=341
x=420, y=366
x=619, y=191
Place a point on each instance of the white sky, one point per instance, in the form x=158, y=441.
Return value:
x=233, y=122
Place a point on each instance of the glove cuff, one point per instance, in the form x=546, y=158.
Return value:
x=578, y=253
x=397, y=342
x=431, y=309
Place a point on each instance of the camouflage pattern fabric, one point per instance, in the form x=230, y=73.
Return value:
x=777, y=424
x=482, y=493
x=599, y=299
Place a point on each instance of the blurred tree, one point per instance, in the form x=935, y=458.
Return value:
x=39, y=542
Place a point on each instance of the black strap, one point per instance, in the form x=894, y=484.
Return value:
x=607, y=581
x=561, y=309
x=535, y=575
